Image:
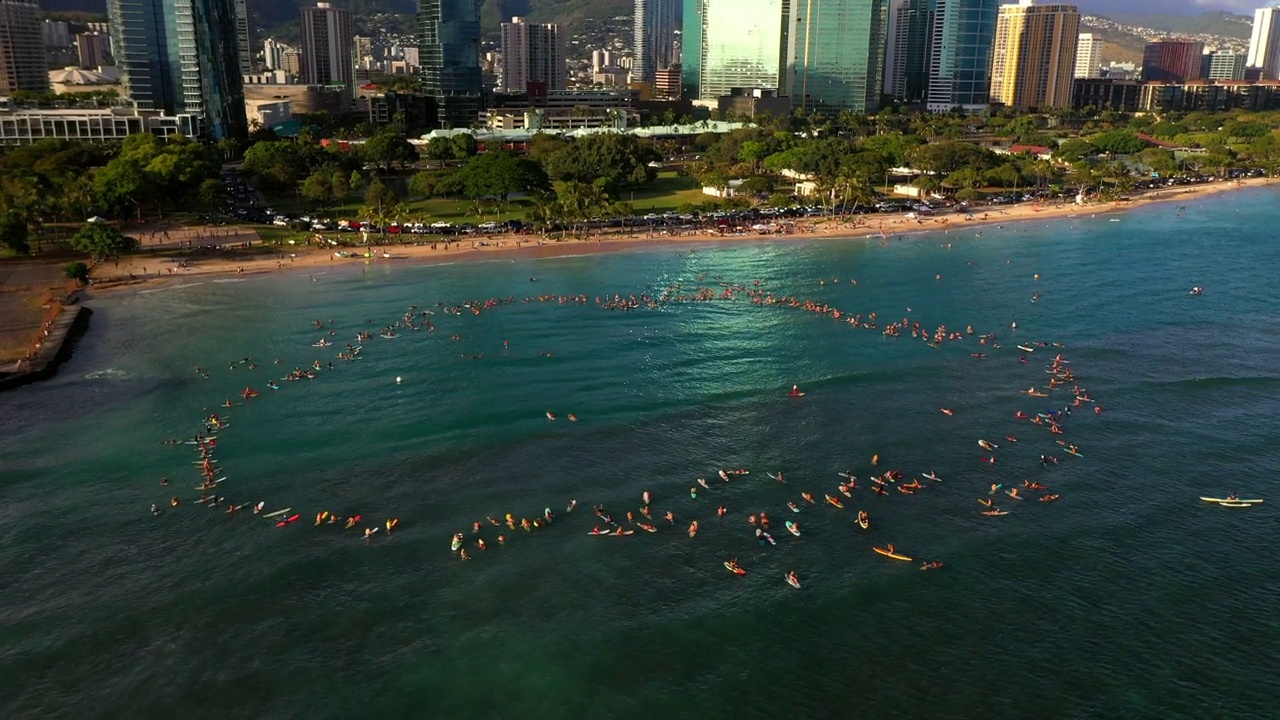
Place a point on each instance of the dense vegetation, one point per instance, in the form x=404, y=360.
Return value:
x=49, y=189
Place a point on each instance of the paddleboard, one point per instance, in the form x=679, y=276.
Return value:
x=931, y=476
x=864, y=524
x=1073, y=452
x=846, y=476
x=278, y=512
x=769, y=537
x=735, y=570
x=793, y=528
x=834, y=502
x=1024, y=347
x=620, y=532
x=289, y=520
x=209, y=486
x=1236, y=504
x=894, y=555
x=1010, y=494
x=1222, y=500
x=993, y=513
x=793, y=583
x=846, y=493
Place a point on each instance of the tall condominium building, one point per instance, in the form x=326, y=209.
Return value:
x=182, y=56
x=839, y=54
x=1172, y=61
x=244, y=44
x=327, y=46
x=909, y=33
x=56, y=33
x=532, y=53
x=1088, y=56
x=449, y=59
x=1034, y=56
x=654, y=38
x=92, y=49
x=960, y=55
x=1222, y=65
x=23, y=64
x=743, y=44
x=273, y=54
x=1264, y=45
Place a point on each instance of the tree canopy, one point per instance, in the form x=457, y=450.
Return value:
x=498, y=174
x=103, y=241
x=619, y=160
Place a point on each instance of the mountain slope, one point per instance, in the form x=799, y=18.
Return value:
x=1217, y=23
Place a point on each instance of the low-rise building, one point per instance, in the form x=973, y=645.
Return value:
x=20, y=125
x=1106, y=94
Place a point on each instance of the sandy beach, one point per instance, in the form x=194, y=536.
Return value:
x=234, y=258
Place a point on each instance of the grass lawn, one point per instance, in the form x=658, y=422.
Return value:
x=668, y=192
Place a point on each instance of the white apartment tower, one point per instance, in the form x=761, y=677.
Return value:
x=532, y=53
x=1264, y=45
x=1088, y=56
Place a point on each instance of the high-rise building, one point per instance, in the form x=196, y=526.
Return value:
x=1222, y=65
x=449, y=56
x=909, y=32
x=1171, y=61
x=1088, y=56
x=23, y=64
x=960, y=54
x=57, y=33
x=532, y=53
x=742, y=44
x=654, y=38
x=273, y=54
x=839, y=54
x=92, y=49
x=182, y=56
x=1264, y=45
x=244, y=44
x=1034, y=55
x=326, y=46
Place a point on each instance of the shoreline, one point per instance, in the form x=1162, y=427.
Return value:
x=135, y=274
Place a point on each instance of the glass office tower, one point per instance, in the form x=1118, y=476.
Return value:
x=449, y=59
x=182, y=56
x=839, y=54
x=960, y=58
x=906, y=60
x=729, y=44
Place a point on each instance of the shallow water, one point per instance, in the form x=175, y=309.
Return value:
x=1127, y=598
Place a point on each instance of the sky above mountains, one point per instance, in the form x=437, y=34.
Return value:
x=1169, y=7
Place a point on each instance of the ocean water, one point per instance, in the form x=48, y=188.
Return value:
x=1128, y=598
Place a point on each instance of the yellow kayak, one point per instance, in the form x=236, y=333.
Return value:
x=885, y=552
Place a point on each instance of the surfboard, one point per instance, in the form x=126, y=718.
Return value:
x=278, y=512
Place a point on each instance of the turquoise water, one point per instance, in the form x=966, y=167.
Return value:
x=1127, y=598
